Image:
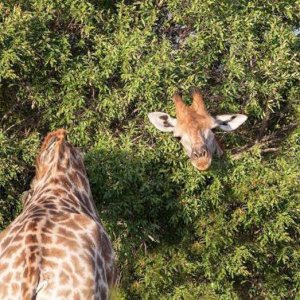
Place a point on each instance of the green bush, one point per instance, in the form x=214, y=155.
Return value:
x=97, y=68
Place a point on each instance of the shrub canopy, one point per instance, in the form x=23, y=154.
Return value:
x=97, y=68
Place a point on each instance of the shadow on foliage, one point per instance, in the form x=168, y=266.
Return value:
x=138, y=203
x=136, y=197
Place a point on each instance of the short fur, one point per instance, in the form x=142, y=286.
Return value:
x=57, y=248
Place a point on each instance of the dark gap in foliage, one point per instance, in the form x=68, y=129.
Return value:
x=167, y=28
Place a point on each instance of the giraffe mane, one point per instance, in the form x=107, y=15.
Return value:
x=59, y=134
x=61, y=156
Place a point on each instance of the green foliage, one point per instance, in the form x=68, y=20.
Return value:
x=97, y=68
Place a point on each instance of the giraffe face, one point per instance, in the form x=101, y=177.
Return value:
x=197, y=139
x=193, y=128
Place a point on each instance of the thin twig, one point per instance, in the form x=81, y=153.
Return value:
x=264, y=125
x=266, y=144
x=266, y=150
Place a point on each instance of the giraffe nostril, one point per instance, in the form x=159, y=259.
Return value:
x=195, y=154
x=200, y=153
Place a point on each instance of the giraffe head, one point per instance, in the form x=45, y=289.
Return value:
x=193, y=127
x=57, y=154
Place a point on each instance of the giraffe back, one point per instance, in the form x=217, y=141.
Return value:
x=57, y=248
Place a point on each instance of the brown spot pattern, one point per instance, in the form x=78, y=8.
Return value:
x=54, y=246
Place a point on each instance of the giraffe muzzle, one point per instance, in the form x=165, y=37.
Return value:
x=201, y=158
x=200, y=153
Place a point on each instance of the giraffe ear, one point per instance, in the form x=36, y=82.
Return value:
x=162, y=121
x=229, y=122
